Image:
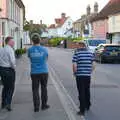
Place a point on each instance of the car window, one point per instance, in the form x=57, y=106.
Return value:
x=111, y=48
x=96, y=42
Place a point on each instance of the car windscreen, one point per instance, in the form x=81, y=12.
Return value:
x=96, y=42
x=112, y=48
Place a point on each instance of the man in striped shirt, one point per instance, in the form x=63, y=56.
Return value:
x=82, y=69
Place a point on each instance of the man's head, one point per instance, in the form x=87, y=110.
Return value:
x=36, y=39
x=81, y=45
x=9, y=41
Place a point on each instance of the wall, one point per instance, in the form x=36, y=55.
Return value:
x=67, y=26
x=114, y=23
x=52, y=32
x=100, y=28
x=116, y=38
x=4, y=8
x=13, y=21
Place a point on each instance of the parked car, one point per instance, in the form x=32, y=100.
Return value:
x=93, y=43
x=107, y=53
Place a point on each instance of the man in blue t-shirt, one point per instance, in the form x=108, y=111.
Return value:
x=38, y=56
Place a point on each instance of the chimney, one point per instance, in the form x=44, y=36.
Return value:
x=88, y=10
x=96, y=7
x=31, y=22
x=63, y=15
x=41, y=22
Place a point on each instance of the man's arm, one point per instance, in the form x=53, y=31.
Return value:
x=93, y=63
x=12, y=58
x=74, y=67
x=74, y=61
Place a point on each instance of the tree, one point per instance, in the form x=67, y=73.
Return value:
x=34, y=28
x=26, y=26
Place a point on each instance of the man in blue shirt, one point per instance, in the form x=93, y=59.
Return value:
x=38, y=56
x=82, y=68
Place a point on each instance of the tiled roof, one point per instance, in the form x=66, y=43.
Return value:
x=113, y=7
x=60, y=21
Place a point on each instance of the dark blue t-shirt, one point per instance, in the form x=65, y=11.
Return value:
x=84, y=59
x=38, y=57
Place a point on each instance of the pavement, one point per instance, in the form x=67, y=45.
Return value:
x=22, y=100
x=62, y=92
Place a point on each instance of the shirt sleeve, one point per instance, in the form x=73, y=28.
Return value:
x=28, y=53
x=74, y=59
x=12, y=58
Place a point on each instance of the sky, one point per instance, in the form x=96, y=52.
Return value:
x=48, y=10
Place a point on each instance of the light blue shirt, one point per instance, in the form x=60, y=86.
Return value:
x=38, y=57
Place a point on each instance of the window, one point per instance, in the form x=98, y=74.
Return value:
x=113, y=20
x=3, y=28
x=69, y=23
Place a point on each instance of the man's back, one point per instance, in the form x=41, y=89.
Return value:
x=83, y=58
x=38, y=56
x=7, y=58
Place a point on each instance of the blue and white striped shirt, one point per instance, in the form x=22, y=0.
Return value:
x=83, y=58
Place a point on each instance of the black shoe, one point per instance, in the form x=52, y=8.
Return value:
x=36, y=110
x=45, y=107
x=80, y=113
x=88, y=108
x=2, y=106
x=8, y=108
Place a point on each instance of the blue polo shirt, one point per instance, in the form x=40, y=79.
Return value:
x=38, y=57
x=83, y=58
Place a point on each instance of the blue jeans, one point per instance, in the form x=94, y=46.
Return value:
x=8, y=81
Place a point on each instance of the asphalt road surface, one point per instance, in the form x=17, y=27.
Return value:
x=105, y=85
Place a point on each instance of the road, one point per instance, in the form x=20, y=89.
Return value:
x=105, y=85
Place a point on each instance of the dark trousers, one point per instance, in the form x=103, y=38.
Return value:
x=8, y=81
x=83, y=86
x=38, y=79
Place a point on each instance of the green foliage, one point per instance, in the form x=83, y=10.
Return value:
x=55, y=41
x=26, y=26
x=20, y=51
x=34, y=28
x=78, y=39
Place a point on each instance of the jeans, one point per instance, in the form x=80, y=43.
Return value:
x=8, y=81
x=38, y=79
x=83, y=86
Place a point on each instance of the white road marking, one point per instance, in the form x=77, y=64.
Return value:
x=66, y=100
